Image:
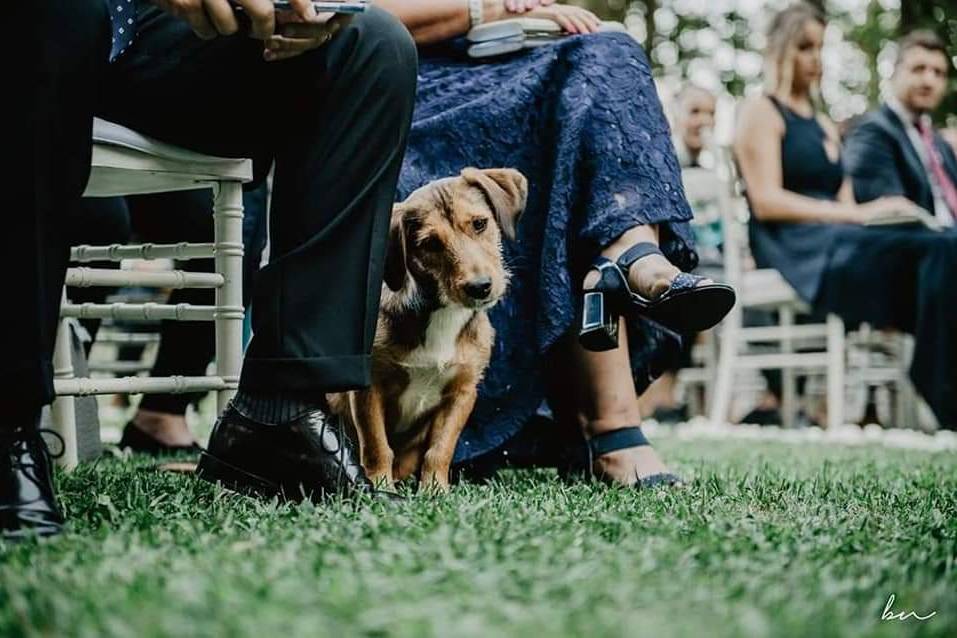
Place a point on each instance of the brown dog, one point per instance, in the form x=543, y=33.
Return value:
x=433, y=340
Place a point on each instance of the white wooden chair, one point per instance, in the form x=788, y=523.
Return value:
x=128, y=163
x=766, y=289
x=708, y=195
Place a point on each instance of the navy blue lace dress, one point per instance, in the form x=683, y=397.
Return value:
x=581, y=119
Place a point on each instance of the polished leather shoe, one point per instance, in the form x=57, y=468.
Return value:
x=28, y=504
x=309, y=457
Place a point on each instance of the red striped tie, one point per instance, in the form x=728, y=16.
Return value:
x=946, y=186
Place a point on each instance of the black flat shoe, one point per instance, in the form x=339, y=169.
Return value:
x=581, y=462
x=671, y=416
x=763, y=416
x=687, y=306
x=310, y=457
x=139, y=442
x=28, y=505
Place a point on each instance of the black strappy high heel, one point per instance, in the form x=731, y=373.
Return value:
x=686, y=307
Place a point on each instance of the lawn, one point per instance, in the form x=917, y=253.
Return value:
x=769, y=540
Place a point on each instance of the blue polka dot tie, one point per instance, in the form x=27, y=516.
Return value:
x=123, y=16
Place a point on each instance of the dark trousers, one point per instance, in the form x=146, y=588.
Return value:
x=334, y=122
x=904, y=279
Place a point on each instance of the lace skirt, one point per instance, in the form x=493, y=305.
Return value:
x=581, y=119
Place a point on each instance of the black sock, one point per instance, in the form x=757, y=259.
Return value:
x=276, y=408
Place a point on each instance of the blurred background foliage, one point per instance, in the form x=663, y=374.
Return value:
x=718, y=43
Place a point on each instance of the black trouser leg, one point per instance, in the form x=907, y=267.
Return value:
x=934, y=368
x=335, y=122
x=64, y=50
x=185, y=347
x=905, y=279
x=316, y=303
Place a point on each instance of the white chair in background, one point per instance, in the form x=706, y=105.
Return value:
x=708, y=195
x=800, y=348
x=128, y=163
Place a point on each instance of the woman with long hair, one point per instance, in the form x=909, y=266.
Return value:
x=806, y=224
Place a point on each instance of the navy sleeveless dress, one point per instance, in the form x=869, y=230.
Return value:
x=891, y=277
x=581, y=119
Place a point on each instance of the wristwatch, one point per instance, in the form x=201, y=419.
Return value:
x=475, y=13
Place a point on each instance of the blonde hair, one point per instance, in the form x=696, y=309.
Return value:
x=783, y=34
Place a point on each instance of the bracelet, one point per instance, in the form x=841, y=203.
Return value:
x=475, y=13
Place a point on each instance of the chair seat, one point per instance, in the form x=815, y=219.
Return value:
x=126, y=162
x=766, y=287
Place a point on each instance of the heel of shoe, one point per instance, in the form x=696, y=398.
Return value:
x=599, y=324
x=214, y=470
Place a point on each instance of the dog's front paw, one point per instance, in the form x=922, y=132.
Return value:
x=383, y=479
x=434, y=481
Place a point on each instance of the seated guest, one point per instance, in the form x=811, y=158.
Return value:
x=582, y=120
x=896, y=150
x=806, y=224
x=694, y=112
x=257, y=97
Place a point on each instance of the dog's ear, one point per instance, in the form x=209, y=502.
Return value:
x=395, y=269
x=506, y=191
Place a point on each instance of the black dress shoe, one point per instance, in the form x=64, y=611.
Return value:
x=763, y=416
x=139, y=442
x=310, y=457
x=27, y=502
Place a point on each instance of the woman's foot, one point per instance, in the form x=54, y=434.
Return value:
x=651, y=276
x=628, y=466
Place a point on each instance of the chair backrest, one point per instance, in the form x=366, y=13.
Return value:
x=735, y=216
x=715, y=196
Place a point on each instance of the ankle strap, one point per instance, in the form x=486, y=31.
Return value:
x=636, y=252
x=617, y=440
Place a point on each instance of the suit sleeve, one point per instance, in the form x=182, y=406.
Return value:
x=871, y=163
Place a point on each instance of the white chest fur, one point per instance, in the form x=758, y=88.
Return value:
x=432, y=365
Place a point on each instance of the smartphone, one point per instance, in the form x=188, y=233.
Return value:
x=321, y=6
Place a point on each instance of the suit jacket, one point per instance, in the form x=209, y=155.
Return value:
x=882, y=161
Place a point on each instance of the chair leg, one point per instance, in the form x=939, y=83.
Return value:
x=228, y=221
x=720, y=396
x=906, y=396
x=789, y=397
x=63, y=410
x=835, y=371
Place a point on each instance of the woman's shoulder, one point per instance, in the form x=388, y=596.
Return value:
x=759, y=112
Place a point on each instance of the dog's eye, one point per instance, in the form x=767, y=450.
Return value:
x=432, y=245
x=479, y=224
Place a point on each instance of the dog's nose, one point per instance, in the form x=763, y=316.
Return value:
x=479, y=288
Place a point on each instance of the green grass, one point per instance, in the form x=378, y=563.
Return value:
x=769, y=540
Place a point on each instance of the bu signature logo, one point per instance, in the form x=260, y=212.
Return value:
x=888, y=614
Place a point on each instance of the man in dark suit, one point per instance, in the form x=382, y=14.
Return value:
x=328, y=103
x=896, y=150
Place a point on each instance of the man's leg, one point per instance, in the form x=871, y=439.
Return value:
x=46, y=164
x=335, y=121
x=64, y=46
